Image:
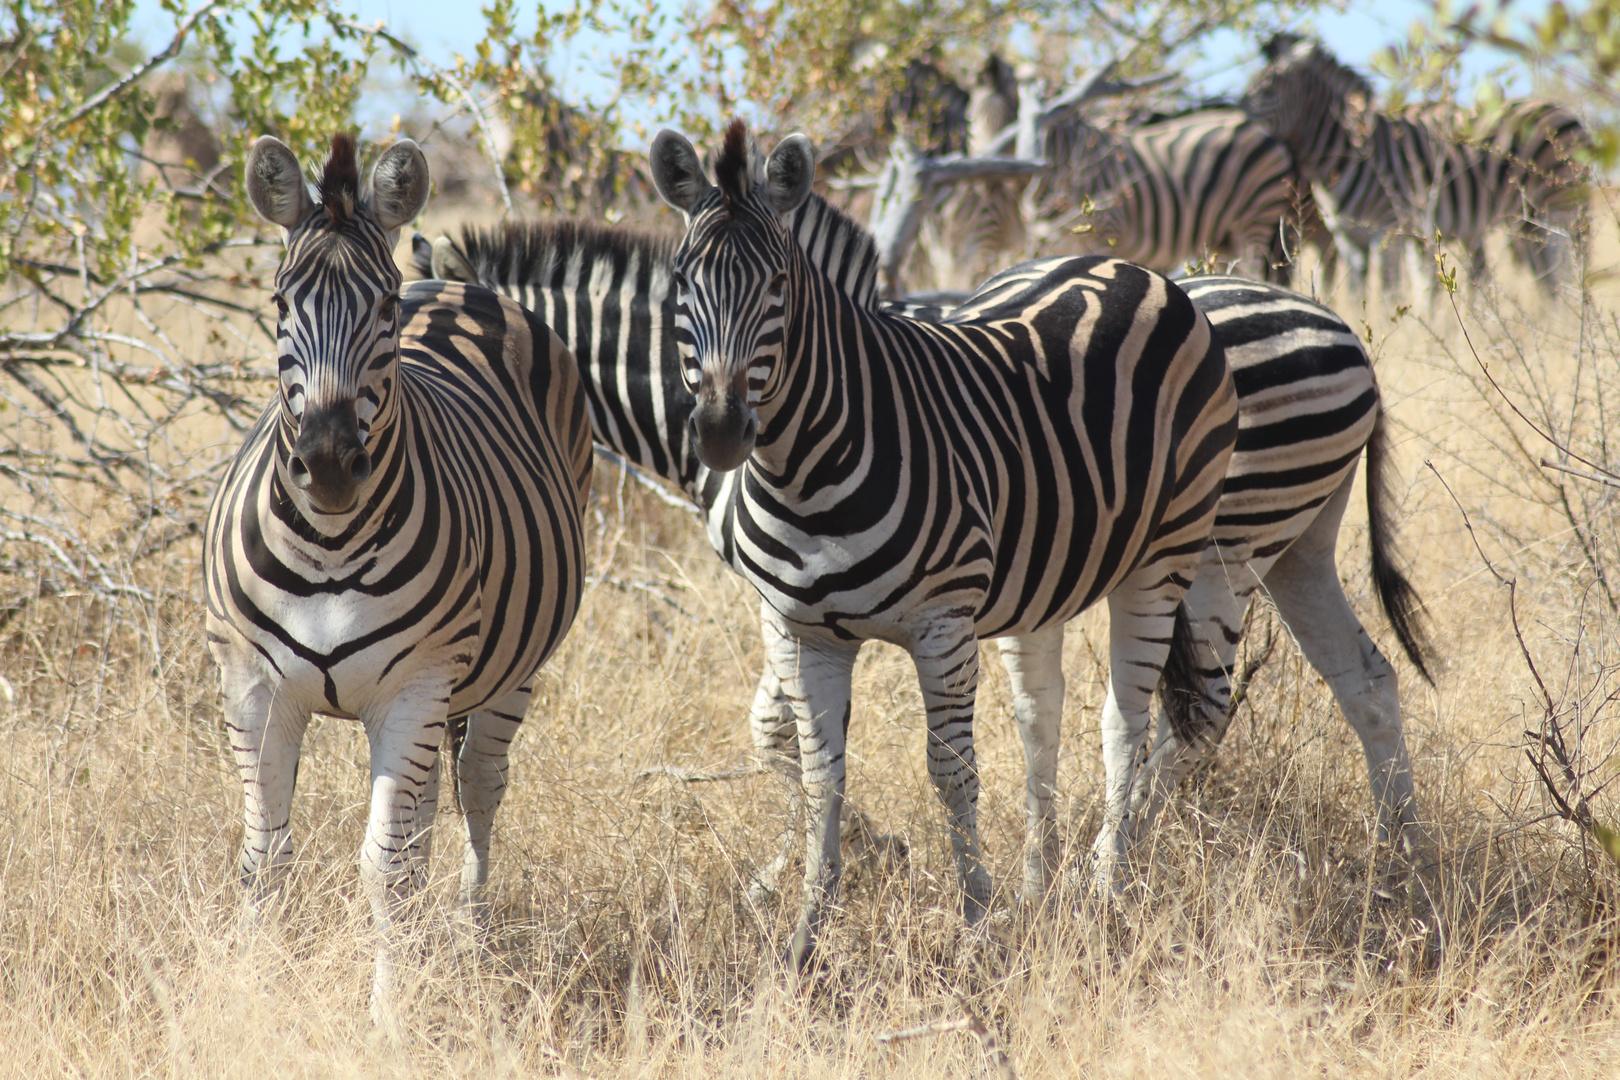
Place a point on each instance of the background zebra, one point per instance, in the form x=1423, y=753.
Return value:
x=896, y=471
x=1205, y=187
x=1425, y=170
x=399, y=538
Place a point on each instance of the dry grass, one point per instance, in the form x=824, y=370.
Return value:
x=1264, y=940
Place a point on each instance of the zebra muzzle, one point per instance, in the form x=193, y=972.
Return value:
x=722, y=430
x=329, y=461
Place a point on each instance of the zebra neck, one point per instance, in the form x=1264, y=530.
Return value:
x=828, y=345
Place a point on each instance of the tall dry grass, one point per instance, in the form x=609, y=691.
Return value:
x=1267, y=938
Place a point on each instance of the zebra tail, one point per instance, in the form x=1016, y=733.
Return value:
x=1396, y=595
x=1181, y=684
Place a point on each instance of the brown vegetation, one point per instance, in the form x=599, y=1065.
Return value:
x=1267, y=937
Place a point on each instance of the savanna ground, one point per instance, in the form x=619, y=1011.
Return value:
x=1267, y=936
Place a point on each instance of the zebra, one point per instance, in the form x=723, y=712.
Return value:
x=1426, y=170
x=398, y=540
x=929, y=484
x=1308, y=407
x=1202, y=187
x=607, y=290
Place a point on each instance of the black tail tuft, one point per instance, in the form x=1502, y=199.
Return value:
x=1181, y=684
x=1399, y=599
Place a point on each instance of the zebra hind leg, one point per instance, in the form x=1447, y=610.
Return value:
x=1141, y=618
x=1034, y=664
x=1304, y=584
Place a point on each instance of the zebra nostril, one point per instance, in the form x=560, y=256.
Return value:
x=298, y=471
x=360, y=467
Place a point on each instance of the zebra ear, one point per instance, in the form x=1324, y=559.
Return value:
x=789, y=172
x=399, y=185
x=676, y=171
x=449, y=264
x=276, y=184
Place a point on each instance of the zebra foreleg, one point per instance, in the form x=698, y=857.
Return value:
x=405, y=745
x=481, y=766
x=947, y=659
x=776, y=743
x=266, y=735
x=1141, y=618
x=815, y=674
x=1034, y=664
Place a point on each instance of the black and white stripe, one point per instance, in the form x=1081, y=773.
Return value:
x=1427, y=170
x=399, y=538
x=932, y=484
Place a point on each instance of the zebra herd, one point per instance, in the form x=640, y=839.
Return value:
x=399, y=540
x=1303, y=158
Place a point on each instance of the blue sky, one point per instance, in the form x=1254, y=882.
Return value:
x=441, y=28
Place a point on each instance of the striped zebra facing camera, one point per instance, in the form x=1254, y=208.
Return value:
x=399, y=538
x=932, y=484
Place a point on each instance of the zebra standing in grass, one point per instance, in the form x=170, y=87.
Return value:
x=1308, y=405
x=932, y=484
x=399, y=538
x=1424, y=171
x=608, y=291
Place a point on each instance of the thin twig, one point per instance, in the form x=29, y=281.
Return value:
x=486, y=138
x=112, y=90
x=700, y=776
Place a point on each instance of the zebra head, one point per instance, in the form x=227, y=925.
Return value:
x=1320, y=108
x=732, y=275
x=337, y=299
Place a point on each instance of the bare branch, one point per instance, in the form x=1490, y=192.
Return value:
x=486, y=139
x=168, y=53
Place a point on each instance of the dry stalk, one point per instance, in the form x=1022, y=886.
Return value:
x=970, y=1021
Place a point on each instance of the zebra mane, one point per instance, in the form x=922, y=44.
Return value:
x=340, y=181
x=738, y=168
x=841, y=247
x=539, y=252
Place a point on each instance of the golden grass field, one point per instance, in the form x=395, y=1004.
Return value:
x=1267, y=936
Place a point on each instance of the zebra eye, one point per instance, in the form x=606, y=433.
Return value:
x=281, y=304
x=680, y=281
x=387, y=307
x=777, y=285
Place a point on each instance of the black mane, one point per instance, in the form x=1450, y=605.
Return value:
x=732, y=169
x=538, y=252
x=340, y=181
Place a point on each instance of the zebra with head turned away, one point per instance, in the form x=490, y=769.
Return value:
x=1209, y=186
x=399, y=538
x=931, y=484
x=1411, y=175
